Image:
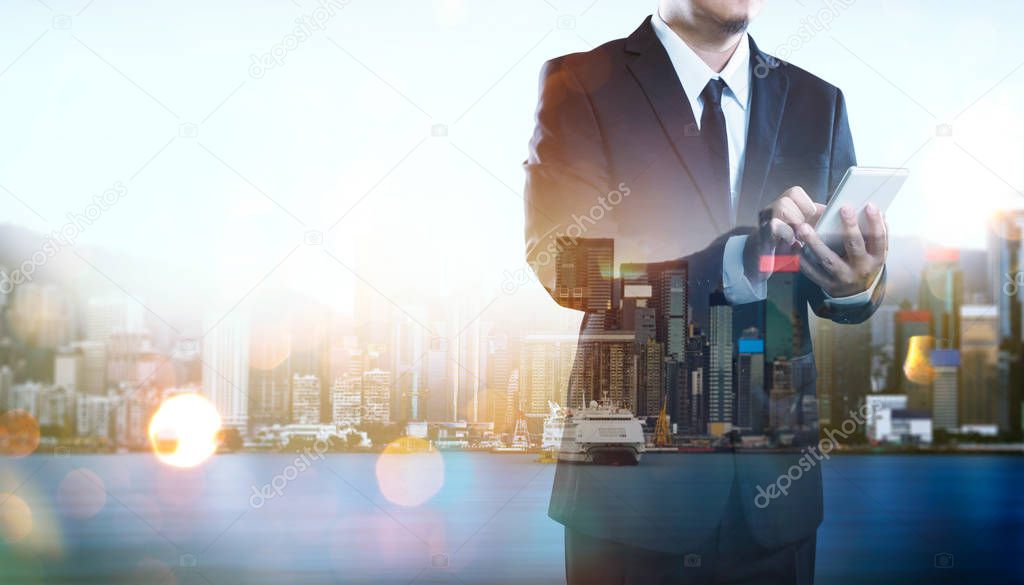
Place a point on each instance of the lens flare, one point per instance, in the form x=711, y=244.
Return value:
x=918, y=366
x=19, y=433
x=408, y=472
x=183, y=432
x=15, y=518
x=82, y=494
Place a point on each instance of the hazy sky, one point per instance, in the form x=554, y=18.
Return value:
x=337, y=136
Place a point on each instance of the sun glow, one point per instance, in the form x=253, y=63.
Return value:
x=183, y=432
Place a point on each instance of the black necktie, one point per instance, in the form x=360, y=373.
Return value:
x=712, y=130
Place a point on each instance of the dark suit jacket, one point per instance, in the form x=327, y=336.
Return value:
x=616, y=119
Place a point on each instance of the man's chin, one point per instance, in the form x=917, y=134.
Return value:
x=734, y=25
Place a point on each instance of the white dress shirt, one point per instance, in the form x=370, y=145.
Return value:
x=694, y=74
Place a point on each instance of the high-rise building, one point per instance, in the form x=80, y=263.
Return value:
x=979, y=360
x=93, y=415
x=751, y=395
x=941, y=294
x=1006, y=255
x=946, y=364
x=407, y=346
x=94, y=366
x=347, y=400
x=720, y=371
x=498, y=356
x=470, y=362
x=546, y=365
x=674, y=307
x=6, y=387
x=583, y=276
x=305, y=399
x=226, y=369
x=1007, y=248
x=693, y=418
x=650, y=386
x=105, y=315
x=440, y=400
x=513, y=404
x=782, y=415
x=68, y=369
x=377, y=396
x=605, y=369
x=843, y=356
x=269, y=394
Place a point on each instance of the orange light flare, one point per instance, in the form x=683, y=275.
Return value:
x=19, y=433
x=918, y=366
x=184, y=430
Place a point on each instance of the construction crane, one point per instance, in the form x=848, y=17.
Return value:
x=662, y=433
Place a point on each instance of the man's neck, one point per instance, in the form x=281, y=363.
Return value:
x=712, y=45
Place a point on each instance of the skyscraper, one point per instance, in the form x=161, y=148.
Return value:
x=605, y=365
x=1007, y=248
x=693, y=418
x=347, y=400
x=720, y=371
x=305, y=399
x=782, y=400
x=979, y=359
x=751, y=397
x=941, y=294
x=843, y=356
x=583, y=276
x=377, y=396
x=226, y=369
x=546, y=364
x=946, y=363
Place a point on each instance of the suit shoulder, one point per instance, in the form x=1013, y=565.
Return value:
x=806, y=82
x=589, y=68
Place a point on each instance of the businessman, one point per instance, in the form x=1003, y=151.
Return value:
x=672, y=187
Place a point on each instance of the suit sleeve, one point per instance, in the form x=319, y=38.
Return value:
x=567, y=173
x=841, y=158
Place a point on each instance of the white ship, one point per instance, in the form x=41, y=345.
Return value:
x=601, y=434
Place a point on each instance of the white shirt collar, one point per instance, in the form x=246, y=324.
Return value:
x=694, y=73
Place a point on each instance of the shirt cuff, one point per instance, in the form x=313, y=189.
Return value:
x=735, y=284
x=861, y=298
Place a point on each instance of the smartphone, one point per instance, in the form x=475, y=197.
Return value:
x=859, y=186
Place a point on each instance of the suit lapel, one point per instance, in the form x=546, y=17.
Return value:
x=654, y=72
x=768, y=88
